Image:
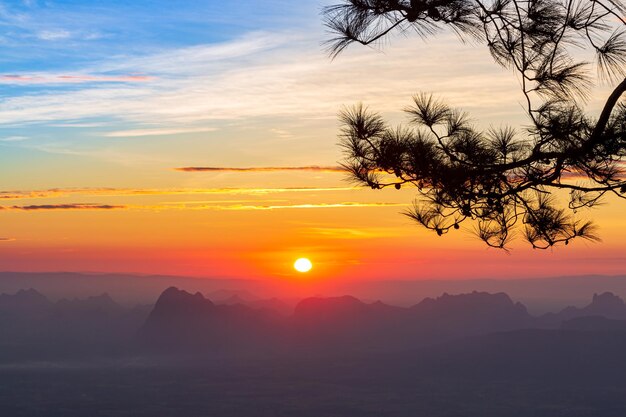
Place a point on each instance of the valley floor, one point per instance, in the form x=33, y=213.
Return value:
x=292, y=389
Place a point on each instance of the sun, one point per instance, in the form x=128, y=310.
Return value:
x=303, y=265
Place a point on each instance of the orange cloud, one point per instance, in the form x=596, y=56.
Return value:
x=579, y=175
x=313, y=168
x=350, y=233
x=299, y=206
x=73, y=206
x=196, y=206
x=61, y=192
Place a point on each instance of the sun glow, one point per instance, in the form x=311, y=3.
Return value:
x=303, y=265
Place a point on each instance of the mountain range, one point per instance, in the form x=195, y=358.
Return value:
x=539, y=295
x=183, y=322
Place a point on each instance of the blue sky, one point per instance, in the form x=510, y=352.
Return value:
x=40, y=34
x=67, y=64
x=67, y=36
x=139, y=87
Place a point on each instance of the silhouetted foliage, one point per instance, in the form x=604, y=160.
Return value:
x=501, y=178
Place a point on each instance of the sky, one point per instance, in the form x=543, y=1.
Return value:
x=107, y=108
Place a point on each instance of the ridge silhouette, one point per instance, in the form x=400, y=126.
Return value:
x=184, y=322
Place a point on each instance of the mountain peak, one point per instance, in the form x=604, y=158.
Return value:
x=475, y=298
x=175, y=301
x=607, y=299
x=607, y=304
x=25, y=301
x=97, y=303
x=29, y=293
x=174, y=293
x=474, y=309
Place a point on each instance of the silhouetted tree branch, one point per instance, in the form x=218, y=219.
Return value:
x=500, y=178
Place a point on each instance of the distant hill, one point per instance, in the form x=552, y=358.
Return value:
x=190, y=322
x=128, y=289
x=353, y=324
x=473, y=313
x=606, y=305
x=32, y=326
x=24, y=301
x=181, y=321
x=184, y=322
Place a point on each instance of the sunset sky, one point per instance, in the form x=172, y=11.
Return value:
x=106, y=105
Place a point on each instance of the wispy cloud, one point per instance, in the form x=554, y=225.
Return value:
x=54, y=35
x=255, y=207
x=156, y=132
x=199, y=206
x=7, y=239
x=70, y=78
x=112, y=192
x=268, y=75
x=79, y=125
x=620, y=174
x=258, y=203
x=14, y=138
x=313, y=168
x=348, y=233
x=74, y=206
